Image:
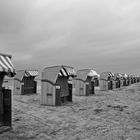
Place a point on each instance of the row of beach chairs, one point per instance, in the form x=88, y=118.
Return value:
x=58, y=85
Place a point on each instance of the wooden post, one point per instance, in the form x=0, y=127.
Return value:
x=92, y=87
x=35, y=87
x=70, y=92
x=1, y=98
x=87, y=89
x=57, y=95
x=108, y=85
x=7, y=103
x=111, y=84
x=22, y=89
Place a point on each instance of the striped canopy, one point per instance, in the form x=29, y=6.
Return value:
x=84, y=73
x=93, y=73
x=67, y=71
x=106, y=75
x=25, y=73
x=124, y=76
x=29, y=73
x=6, y=65
x=52, y=73
x=117, y=76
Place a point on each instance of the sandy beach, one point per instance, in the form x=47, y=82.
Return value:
x=109, y=115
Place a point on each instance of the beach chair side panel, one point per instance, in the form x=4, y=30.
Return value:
x=47, y=93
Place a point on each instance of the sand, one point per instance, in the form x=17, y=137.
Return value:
x=110, y=115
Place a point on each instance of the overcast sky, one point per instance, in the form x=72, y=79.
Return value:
x=100, y=34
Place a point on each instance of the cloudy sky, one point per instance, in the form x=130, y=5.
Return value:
x=100, y=34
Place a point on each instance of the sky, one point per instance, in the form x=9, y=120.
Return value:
x=99, y=34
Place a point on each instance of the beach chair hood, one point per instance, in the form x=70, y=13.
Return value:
x=84, y=73
x=25, y=73
x=106, y=76
x=52, y=73
x=6, y=65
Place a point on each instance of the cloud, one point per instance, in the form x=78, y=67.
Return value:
x=82, y=33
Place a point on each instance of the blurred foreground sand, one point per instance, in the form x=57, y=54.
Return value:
x=110, y=115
